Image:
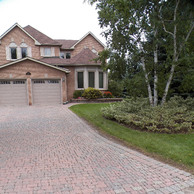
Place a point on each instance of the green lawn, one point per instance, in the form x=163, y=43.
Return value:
x=175, y=148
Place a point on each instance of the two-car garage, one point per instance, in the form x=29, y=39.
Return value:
x=43, y=91
x=32, y=82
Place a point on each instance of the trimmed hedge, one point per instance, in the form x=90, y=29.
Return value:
x=175, y=116
x=92, y=93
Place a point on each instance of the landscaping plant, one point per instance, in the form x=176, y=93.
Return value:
x=175, y=116
x=92, y=93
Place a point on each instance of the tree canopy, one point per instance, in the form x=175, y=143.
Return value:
x=149, y=36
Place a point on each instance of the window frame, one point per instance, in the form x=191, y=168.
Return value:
x=26, y=53
x=82, y=79
x=100, y=72
x=68, y=55
x=93, y=84
x=16, y=56
x=48, y=49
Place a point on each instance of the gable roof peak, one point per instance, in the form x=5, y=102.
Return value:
x=89, y=33
x=17, y=25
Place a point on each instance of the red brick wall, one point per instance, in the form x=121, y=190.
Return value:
x=17, y=35
x=19, y=70
x=70, y=82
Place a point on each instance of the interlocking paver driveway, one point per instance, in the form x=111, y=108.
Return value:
x=51, y=150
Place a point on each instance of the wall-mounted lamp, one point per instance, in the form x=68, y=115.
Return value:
x=28, y=73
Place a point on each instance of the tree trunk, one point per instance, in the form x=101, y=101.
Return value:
x=175, y=58
x=147, y=82
x=155, y=70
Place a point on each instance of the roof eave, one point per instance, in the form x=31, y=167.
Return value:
x=37, y=61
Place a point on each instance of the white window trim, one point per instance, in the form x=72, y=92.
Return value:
x=96, y=71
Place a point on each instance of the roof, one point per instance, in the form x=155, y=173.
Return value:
x=85, y=57
x=17, y=25
x=37, y=61
x=89, y=33
x=42, y=38
x=66, y=44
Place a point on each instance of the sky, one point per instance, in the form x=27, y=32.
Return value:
x=58, y=19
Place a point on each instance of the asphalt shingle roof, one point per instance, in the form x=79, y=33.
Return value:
x=66, y=44
x=40, y=37
x=85, y=57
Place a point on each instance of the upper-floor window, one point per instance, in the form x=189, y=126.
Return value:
x=62, y=55
x=13, y=51
x=24, y=52
x=68, y=55
x=47, y=51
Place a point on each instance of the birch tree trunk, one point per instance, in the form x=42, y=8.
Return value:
x=155, y=71
x=175, y=59
x=147, y=82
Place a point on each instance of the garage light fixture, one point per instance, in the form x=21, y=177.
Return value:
x=28, y=73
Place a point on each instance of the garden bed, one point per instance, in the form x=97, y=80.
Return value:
x=99, y=100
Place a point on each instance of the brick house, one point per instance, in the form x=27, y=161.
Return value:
x=35, y=69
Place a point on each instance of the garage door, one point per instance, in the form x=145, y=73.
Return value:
x=13, y=92
x=46, y=91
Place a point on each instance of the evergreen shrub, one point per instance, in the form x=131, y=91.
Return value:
x=175, y=116
x=92, y=93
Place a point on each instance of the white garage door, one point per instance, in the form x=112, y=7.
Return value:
x=13, y=92
x=46, y=91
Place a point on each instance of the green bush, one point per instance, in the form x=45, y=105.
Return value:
x=175, y=116
x=77, y=93
x=116, y=88
x=92, y=93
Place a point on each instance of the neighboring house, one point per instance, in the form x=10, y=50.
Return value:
x=35, y=69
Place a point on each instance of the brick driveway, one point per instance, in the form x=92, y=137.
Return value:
x=51, y=150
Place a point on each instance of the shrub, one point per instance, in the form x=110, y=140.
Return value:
x=77, y=93
x=175, y=116
x=92, y=93
x=116, y=88
x=107, y=94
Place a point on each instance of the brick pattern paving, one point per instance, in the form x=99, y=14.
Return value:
x=51, y=150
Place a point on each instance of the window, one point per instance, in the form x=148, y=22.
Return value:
x=39, y=81
x=19, y=82
x=68, y=55
x=13, y=53
x=101, y=79
x=80, y=79
x=5, y=82
x=53, y=81
x=24, y=52
x=91, y=79
x=62, y=55
x=47, y=51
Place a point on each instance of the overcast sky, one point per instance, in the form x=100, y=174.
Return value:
x=58, y=19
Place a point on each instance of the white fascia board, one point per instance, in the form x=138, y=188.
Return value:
x=34, y=60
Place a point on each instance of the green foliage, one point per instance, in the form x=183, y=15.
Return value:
x=173, y=117
x=92, y=93
x=77, y=93
x=127, y=22
x=116, y=88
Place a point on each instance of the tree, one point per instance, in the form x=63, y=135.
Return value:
x=129, y=24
